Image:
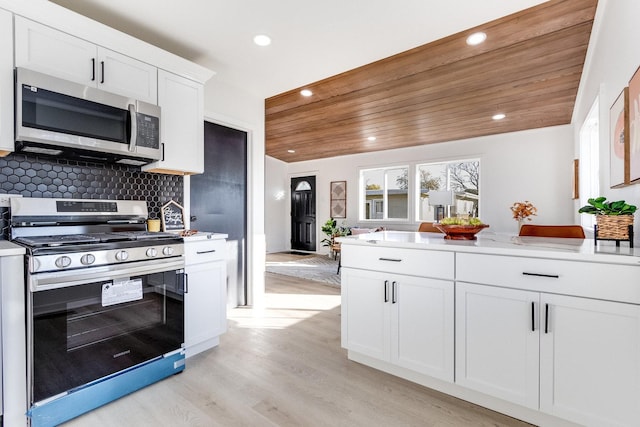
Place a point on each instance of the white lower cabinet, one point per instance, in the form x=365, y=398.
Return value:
x=571, y=357
x=401, y=319
x=497, y=342
x=206, y=295
x=590, y=361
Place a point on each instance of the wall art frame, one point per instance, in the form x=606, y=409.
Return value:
x=634, y=127
x=338, y=197
x=619, y=156
x=576, y=179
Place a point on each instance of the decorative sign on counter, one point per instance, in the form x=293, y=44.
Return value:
x=172, y=217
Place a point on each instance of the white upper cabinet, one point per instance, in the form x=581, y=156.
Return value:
x=6, y=83
x=53, y=52
x=126, y=76
x=181, y=125
x=59, y=54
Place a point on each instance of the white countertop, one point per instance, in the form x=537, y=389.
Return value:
x=7, y=248
x=503, y=244
x=203, y=235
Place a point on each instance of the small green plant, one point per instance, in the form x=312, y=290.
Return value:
x=599, y=206
x=332, y=229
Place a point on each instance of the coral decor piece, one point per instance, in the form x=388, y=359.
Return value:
x=523, y=211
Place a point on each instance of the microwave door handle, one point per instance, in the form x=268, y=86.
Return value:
x=133, y=139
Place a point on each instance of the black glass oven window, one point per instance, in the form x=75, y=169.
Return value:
x=77, y=340
x=43, y=109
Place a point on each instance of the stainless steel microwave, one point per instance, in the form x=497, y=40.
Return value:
x=65, y=119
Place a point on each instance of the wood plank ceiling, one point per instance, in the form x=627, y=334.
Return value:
x=529, y=68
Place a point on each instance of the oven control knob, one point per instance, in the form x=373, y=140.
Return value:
x=168, y=250
x=122, y=255
x=63, y=262
x=151, y=252
x=87, y=259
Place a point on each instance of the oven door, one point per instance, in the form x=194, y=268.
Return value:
x=81, y=329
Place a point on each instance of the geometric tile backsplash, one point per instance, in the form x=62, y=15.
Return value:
x=36, y=176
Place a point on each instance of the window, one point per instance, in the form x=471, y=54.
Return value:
x=384, y=193
x=589, y=162
x=303, y=186
x=460, y=176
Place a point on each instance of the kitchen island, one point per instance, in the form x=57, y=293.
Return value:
x=543, y=329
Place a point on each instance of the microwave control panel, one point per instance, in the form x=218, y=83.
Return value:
x=148, y=131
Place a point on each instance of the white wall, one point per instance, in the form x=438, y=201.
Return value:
x=613, y=58
x=533, y=165
x=232, y=107
x=276, y=194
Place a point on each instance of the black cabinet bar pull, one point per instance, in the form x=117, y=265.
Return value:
x=553, y=276
x=546, y=318
x=102, y=69
x=186, y=283
x=386, y=291
x=93, y=69
x=394, y=295
x=206, y=252
x=533, y=316
x=390, y=259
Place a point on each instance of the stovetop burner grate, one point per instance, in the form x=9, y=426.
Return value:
x=82, y=239
x=69, y=239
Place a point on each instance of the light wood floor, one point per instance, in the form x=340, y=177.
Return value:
x=284, y=367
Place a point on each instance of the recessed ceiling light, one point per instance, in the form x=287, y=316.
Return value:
x=371, y=138
x=306, y=92
x=476, y=38
x=499, y=116
x=291, y=151
x=262, y=40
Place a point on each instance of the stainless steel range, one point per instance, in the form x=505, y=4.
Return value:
x=105, y=303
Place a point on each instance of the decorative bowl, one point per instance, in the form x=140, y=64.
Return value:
x=460, y=232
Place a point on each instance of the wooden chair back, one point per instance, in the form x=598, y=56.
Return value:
x=428, y=227
x=570, y=231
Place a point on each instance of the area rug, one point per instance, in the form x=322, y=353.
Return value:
x=319, y=268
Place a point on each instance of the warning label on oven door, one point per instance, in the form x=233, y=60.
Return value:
x=119, y=291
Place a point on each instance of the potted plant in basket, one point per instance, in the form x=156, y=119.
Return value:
x=614, y=220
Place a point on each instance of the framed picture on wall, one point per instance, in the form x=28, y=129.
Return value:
x=634, y=127
x=338, y=203
x=576, y=179
x=619, y=141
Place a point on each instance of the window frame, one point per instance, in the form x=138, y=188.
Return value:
x=589, y=168
x=418, y=189
x=373, y=203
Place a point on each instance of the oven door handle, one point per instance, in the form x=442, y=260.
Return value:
x=62, y=279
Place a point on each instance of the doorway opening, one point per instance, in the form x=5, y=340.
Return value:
x=219, y=200
x=303, y=213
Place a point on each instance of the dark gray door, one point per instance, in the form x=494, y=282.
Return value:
x=219, y=197
x=303, y=213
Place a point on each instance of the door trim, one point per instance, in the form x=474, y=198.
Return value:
x=291, y=176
